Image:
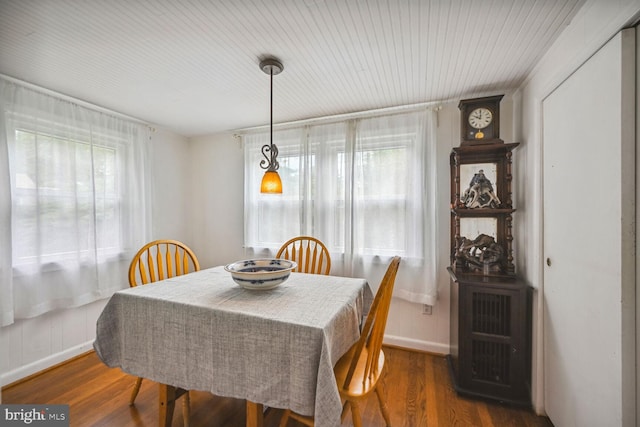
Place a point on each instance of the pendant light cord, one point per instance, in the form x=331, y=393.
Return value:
x=271, y=115
x=270, y=152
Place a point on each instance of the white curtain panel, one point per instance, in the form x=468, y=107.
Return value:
x=75, y=201
x=6, y=277
x=366, y=187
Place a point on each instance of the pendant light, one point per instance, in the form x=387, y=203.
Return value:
x=271, y=182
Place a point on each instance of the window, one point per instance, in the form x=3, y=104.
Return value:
x=77, y=203
x=361, y=186
x=62, y=189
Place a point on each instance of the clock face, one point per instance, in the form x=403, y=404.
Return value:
x=480, y=118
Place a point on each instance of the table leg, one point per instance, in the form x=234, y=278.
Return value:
x=167, y=402
x=255, y=415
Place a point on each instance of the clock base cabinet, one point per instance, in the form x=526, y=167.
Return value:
x=491, y=338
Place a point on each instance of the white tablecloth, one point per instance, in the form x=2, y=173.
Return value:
x=202, y=331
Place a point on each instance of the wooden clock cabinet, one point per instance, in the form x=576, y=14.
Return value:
x=490, y=355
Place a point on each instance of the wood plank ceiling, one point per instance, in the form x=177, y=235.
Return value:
x=192, y=65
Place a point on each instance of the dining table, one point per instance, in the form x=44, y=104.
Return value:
x=273, y=348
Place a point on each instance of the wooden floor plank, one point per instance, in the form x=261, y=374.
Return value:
x=418, y=389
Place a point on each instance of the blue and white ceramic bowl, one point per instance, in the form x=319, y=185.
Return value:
x=260, y=274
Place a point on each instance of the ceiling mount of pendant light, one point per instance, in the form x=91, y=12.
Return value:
x=271, y=182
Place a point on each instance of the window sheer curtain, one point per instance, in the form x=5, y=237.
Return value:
x=366, y=187
x=75, y=201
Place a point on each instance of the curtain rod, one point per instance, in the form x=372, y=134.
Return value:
x=75, y=101
x=435, y=105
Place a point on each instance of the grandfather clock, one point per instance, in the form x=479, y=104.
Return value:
x=490, y=355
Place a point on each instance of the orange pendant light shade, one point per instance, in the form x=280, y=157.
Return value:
x=271, y=183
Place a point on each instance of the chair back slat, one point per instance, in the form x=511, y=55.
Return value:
x=143, y=273
x=151, y=267
x=169, y=260
x=160, y=268
x=311, y=255
x=373, y=331
x=161, y=259
x=316, y=258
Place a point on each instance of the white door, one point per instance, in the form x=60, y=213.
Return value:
x=589, y=193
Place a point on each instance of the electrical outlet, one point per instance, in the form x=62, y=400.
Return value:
x=427, y=309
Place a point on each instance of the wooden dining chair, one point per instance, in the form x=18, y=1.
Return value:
x=311, y=255
x=159, y=260
x=359, y=370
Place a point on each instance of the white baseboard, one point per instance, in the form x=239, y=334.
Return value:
x=428, y=346
x=42, y=364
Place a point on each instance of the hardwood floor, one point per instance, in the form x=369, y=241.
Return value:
x=418, y=390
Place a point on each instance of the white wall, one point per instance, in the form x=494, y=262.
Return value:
x=216, y=210
x=31, y=345
x=593, y=25
x=172, y=191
